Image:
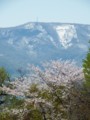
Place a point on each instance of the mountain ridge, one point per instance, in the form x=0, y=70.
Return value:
x=44, y=23
x=37, y=42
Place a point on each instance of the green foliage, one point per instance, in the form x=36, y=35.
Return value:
x=8, y=116
x=86, y=69
x=34, y=114
x=15, y=102
x=4, y=76
x=78, y=102
x=33, y=88
x=49, y=102
x=61, y=102
x=45, y=94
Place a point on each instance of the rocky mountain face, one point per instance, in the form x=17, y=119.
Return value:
x=34, y=43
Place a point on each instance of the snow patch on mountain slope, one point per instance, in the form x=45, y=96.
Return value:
x=35, y=26
x=66, y=33
x=40, y=28
x=52, y=40
x=24, y=41
x=29, y=26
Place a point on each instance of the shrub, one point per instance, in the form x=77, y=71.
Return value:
x=4, y=76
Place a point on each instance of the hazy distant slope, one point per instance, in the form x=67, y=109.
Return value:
x=39, y=42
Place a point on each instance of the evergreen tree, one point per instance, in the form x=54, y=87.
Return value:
x=86, y=69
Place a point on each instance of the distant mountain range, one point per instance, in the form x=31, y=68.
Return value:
x=35, y=43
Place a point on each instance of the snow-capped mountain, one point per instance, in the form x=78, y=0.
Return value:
x=39, y=42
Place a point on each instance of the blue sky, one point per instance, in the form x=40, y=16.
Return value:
x=16, y=12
